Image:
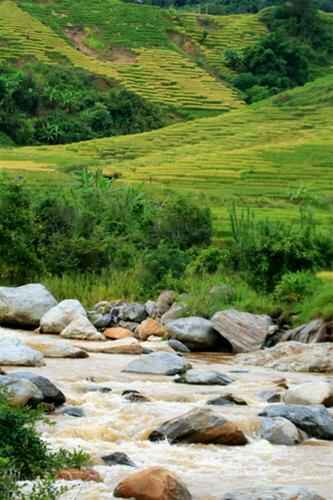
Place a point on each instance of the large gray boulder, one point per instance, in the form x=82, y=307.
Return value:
x=50, y=393
x=280, y=431
x=311, y=393
x=314, y=420
x=196, y=333
x=60, y=316
x=13, y=352
x=244, y=331
x=81, y=329
x=24, y=305
x=200, y=426
x=292, y=356
x=158, y=363
x=20, y=391
x=273, y=493
x=132, y=312
x=310, y=333
x=203, y=377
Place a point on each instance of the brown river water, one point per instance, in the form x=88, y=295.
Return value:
x=114, y=424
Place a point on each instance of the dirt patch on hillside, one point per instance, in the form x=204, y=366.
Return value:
x=184, y=43
x=121, y=55
x=77, y=36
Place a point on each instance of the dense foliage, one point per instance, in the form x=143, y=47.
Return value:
x=299, y=42
x=93, y=226
x=44, y=105
x=25, y=456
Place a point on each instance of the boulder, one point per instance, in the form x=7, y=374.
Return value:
x=60, y=316
x=280, y=431
x=200, y=426
x=81, y=329
x=132, y=312
x=293, y=357
x=273, y=493
x=118, y=458
x=100, y=316
x=311, y=393
x=314, y=332
x=25, y=305
x=244, y=331
x=158, y=363
x=151, y=309
x=176, y=311
x=13, y=352
x=148, y=328
x=21, y=391
x=134, y=396
x=203, y=377
x=178, y=346
x=73, y=411
x=152, y=484
x=271, y=396
x=51, y=394
x=54, y=348
x=197, y=334
x=165, y=301
x=227, y=400
x=117, y=333
x=121, y=346
x=314, y=420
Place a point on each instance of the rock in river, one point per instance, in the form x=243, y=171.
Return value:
x=20, y=391
x=314, y=420
x=203, y=377
x=25, y=305
x=273, y=493
x=311, y=393
x=81, y=329
x=158, y=363
x=51, y=393
x=60, y=316
x=280, y=431
x=292, y=356
x=200, y=426
x=196, y=333
x=154, y=483
x=118, y=458
x=13, y=352
x=244, y=331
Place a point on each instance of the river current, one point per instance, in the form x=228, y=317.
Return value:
x=111, y=423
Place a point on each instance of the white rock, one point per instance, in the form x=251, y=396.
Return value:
x=25, y=305
x=60, y=316
x=81, y=328
x=311, y=393
x=14, y=353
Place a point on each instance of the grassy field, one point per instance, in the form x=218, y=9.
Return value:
x=158, y=54
x=272, y=156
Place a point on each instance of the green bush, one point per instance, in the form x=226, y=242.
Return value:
x=263, y=251
x=93, y=227
x=293, y=288
x=23, y=451
x=318, y=305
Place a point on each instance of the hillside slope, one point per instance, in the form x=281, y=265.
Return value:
x=271, y=156
x=146, y=49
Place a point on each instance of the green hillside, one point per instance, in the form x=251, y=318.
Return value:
x=270, y=156
x=161, y=56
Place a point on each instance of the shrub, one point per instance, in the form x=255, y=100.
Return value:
x=293, y=288
x=263, y=251
x=23, y=451
x=318, y=305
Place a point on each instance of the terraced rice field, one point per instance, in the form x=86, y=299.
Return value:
x=216, y=34
x=146, y=62
x=271, y=156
